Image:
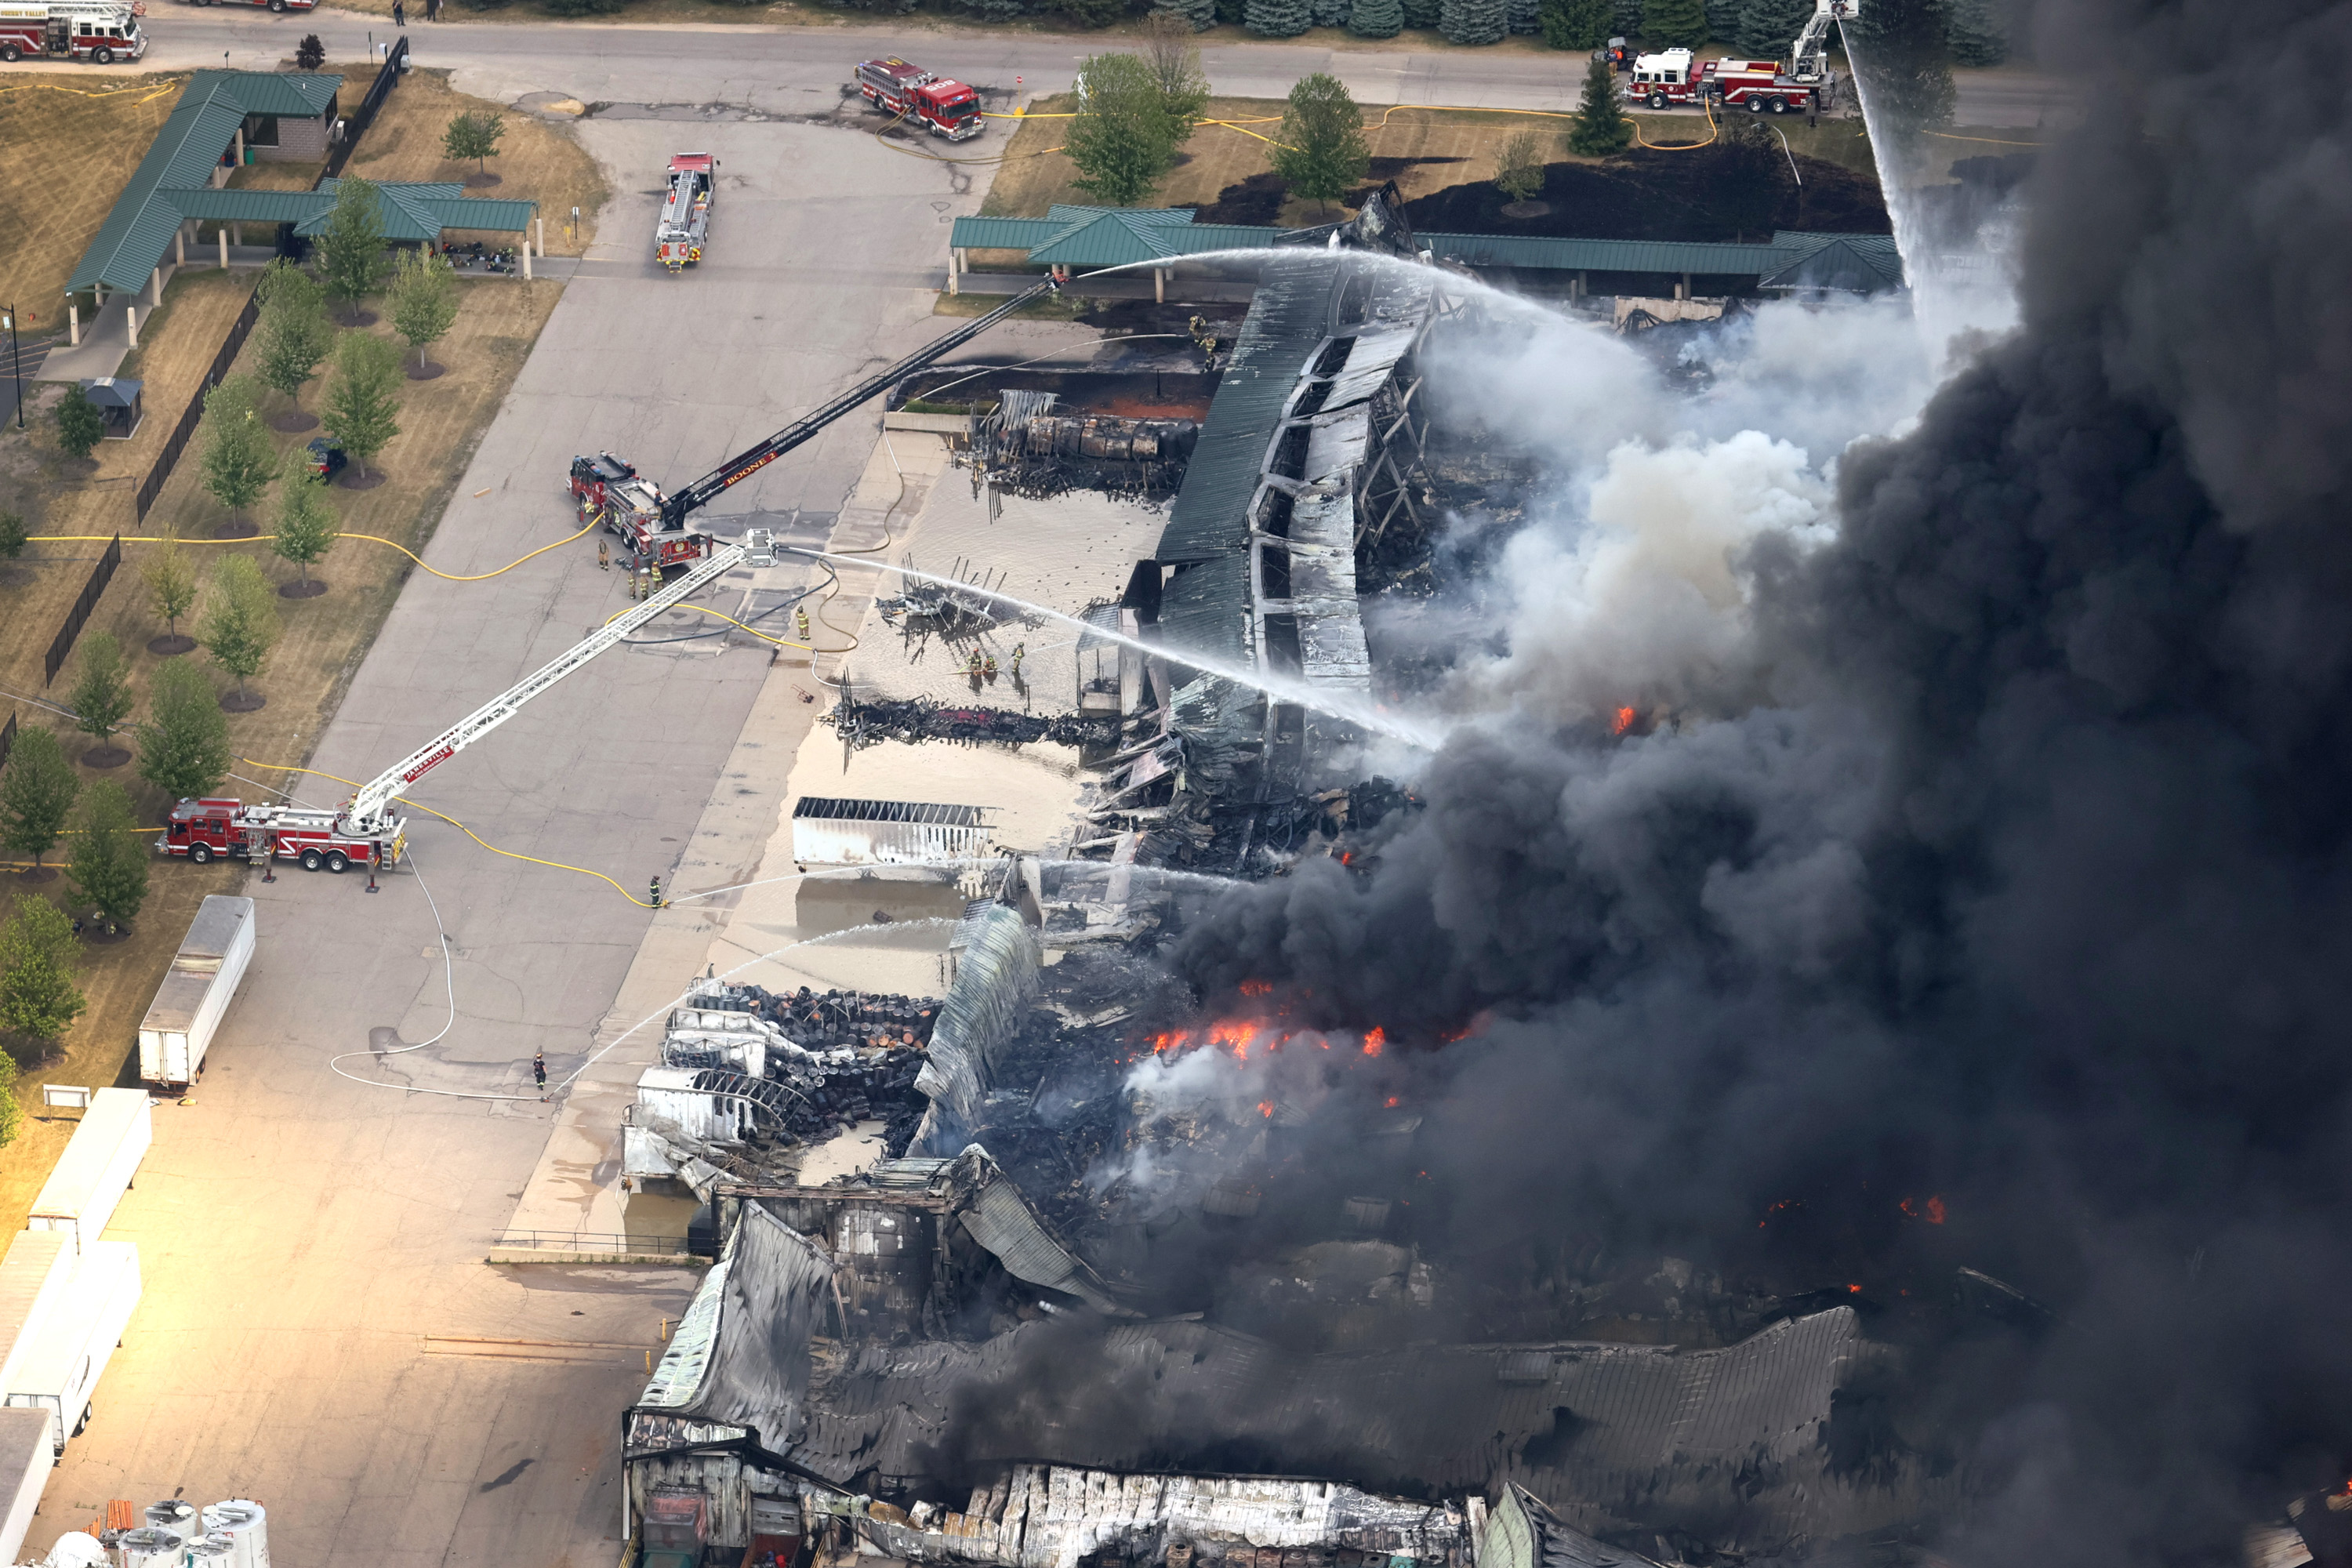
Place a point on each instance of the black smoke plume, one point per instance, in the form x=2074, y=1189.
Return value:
x=2032, y=887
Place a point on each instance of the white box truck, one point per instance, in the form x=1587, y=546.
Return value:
x=26, y=1460
x=33, y=1279
x=62, y=1365
x=101, y=1161
x=190, y=1003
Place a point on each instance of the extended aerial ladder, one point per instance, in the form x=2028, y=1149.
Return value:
x=735, y=470
x=1808, y=57
x=367, y=813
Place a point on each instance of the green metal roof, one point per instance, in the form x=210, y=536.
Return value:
x=231, y=205
x=1604, y=254
x=131, y=243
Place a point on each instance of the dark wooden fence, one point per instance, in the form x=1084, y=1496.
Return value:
x=99, y=577
x=7, y=739
x=355, y=126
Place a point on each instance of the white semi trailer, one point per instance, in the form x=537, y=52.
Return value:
x=195, y=994
x=61, y=1368
x=101, y=1161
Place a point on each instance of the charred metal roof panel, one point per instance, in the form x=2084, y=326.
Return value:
x=999, y=1218
x=1205, y=608
x=1288, y=319
x=831, y=809
x=751, y=1370
x=995, y=986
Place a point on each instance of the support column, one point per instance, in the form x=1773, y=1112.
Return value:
x=1159, y=285
x=238, y=146
x=540, y=223
x=1584, y=284
x=236, y=232
x=155, y=287
x=180, y=244
x=222, y=231
x=131, y=320
x=954, y=286
x=1682, y=289
x=73, y=323
x=526, y=258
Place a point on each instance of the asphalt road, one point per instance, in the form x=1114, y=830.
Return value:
x=319, y=1331
x=799, y=70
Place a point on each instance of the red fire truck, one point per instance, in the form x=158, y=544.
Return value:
x=950, y=109
x=684, y=220
x=206, y=829
x=1671, y=78
x=99, y=31
x=610, y=492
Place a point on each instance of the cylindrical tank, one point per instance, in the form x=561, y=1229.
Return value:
x=172, y=1514
x=211, y=1551
x=246, y=1525
x=153, y=1546
x=78, y=1549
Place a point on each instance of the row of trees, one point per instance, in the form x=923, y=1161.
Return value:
x=41, y=801
x=1136, y=110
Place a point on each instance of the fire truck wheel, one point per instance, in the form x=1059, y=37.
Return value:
x=1780, y=105
x=1657, y=100
x=11, y=53
x=200, y=853
x=337, y=863
x=312, y=859
x=103, y=57
x=1755, y=106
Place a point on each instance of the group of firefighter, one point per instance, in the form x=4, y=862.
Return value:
x=982, y=666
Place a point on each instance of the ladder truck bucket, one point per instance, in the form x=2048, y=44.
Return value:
x=760, y=546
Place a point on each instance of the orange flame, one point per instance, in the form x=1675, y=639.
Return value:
x=1393, y=1102
x=1932, y=1211
x=1624, y=721
x=1374, y=1041
x=1853, y=1289
x=1257, y=987
x=1265, y=1109
x=1173, y=1040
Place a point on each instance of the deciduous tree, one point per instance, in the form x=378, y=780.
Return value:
x=423, y=299
x=310, y=54
x=240, y=625
x=171, y=582
x=1322, y=153
x=184, y=746
x=1123, y=141
x=238, y=463
x=37, y=996
x=13, y=536
x=102, y=693
x=1174, y=63
x=362, y=408
x=1519, y=165
x=37, y=792
x=306, y=525
x=1600, y=126
x=110, y=865
x=351, y=248
x=294, y=334
x=475, y=136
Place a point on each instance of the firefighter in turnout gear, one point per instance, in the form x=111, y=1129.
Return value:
x=801, y=623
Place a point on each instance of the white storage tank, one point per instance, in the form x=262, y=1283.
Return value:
x=151, y=1546
x=245, y=1526
x=172, y=1514
x=211, y=1551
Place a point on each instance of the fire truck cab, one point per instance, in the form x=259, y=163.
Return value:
x=1665, y=79
x=609, y=492
x=99, y=31
x=685, y=221
x=946, y=106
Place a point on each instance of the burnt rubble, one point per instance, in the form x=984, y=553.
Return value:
x=864, y=723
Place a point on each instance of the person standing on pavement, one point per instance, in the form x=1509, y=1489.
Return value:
x=399, y=12
x=652, y=894
x=604, y=556
x=539, y=1072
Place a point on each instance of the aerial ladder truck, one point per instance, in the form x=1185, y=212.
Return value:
x=366, y=831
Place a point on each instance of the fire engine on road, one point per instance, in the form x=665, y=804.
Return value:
x=1672, y=77
x=606, y=489
x=99, y=31
x=945, y=105
x=686, y=211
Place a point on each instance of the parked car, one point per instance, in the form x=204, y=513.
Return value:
x=326, y=458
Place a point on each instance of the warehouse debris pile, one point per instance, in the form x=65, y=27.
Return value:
x=870, y=723
x=1024, y=447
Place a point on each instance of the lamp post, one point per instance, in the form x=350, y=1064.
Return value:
x=17, y=359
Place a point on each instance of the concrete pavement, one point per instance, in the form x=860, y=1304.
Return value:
x=320, y=1329
x=788, y=70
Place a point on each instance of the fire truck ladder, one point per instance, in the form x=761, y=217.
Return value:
x=365, y=816
x=1806, y=61
x=738, y=468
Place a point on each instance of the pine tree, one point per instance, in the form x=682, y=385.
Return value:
x=1973, y=31
x=1322, y=153
x=1674, y=24
x=1768, y=27
x=1197, y=15
x=1626, y=21
x=1376, y=18
x=1722, y=20
x=37, y=792
x=1331, y=13
x=1527, y=16
x=1475, y=21
x=1422, y=14
x=109, y=864
x=1278, y=19
x=1576, y=24
x=37, y=996
x=184, y=746
x=1599, y=127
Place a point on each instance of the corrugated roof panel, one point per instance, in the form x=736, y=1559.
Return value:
x=1002, y=233
x=298, y=93
x=831, y=809
x=1206, y=609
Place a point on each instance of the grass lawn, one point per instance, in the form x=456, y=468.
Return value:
x=323, y=638
x=48, y=221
